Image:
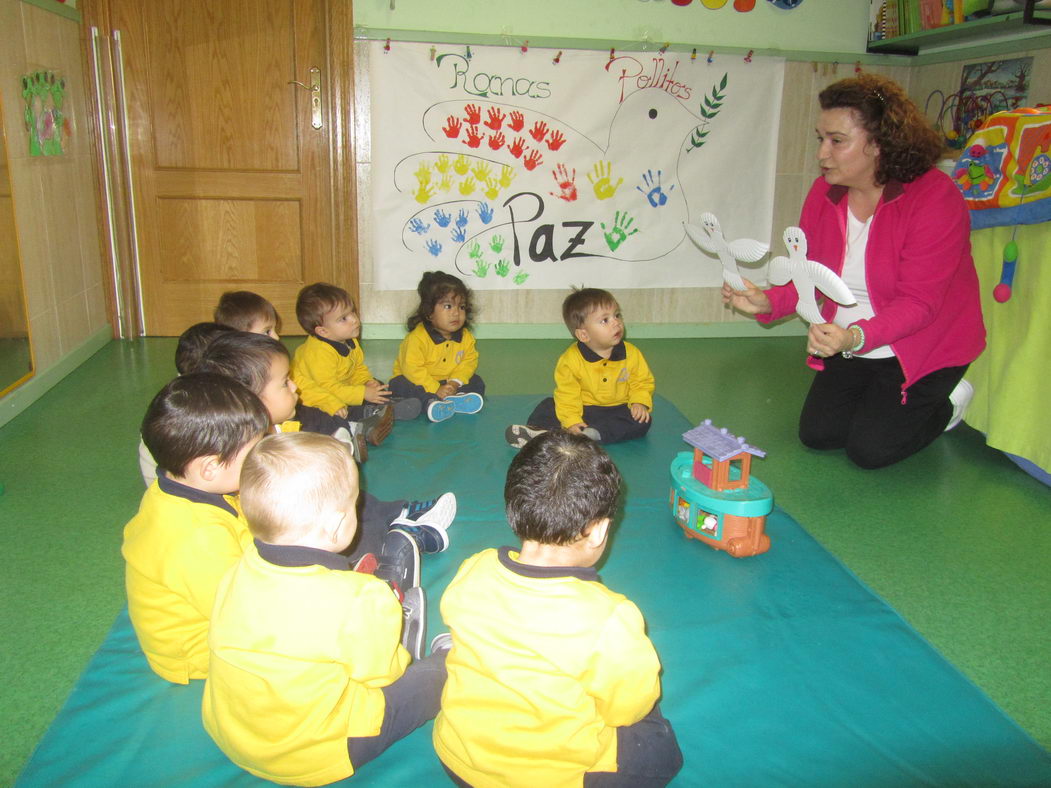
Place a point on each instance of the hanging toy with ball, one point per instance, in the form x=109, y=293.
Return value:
x=1002, y=292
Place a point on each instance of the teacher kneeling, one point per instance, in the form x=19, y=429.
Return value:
x=897, y=231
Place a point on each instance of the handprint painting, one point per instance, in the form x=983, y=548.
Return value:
x=512, y=171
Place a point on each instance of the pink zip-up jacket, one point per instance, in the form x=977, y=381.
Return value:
x=918, y=270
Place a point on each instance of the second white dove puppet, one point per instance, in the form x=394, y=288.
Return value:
x=709, y=237
x=806, y=275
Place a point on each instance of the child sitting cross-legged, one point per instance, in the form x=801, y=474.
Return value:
x=329, y=369
x=309, y=678
x=188, y=532
x=261, y=364
x=603, y=386
x=552, y=680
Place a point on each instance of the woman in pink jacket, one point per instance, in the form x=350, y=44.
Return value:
x=897, y=231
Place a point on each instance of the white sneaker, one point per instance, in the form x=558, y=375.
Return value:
x=960, y=397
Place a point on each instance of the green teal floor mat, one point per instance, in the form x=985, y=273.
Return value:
x=778, y=669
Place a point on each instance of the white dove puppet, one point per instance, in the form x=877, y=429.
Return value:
x=806, y=275
x=709, y=237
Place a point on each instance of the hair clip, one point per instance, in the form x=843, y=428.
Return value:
x=386, y=47
x=748, y=57
x=557, y=58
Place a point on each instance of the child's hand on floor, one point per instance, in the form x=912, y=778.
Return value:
x=640, y=412
x=377, y=392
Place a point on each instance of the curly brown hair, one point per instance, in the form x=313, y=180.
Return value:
x=908, y=144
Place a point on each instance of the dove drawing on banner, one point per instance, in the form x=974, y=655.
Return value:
x=709, y=238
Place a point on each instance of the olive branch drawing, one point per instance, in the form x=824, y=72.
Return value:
x=709, y=109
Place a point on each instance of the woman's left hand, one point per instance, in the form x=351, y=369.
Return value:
x=827, y=339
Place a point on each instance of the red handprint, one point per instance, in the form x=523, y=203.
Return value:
x=539, y=131
x=496, y=118
x=516, y=147
x=474, y=114
x=517, y=122
x=496, y=141
x=533, y=159
x=474, y=139
x=555, y=140
x=565, y=182
x=452, y=127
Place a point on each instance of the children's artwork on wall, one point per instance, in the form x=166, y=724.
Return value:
x=44, y=93
x=522, y=167
x=995, y=86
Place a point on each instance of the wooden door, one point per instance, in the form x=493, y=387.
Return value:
x=233, y=187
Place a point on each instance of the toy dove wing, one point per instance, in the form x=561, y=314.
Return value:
x=709, y=237
x=807, y=275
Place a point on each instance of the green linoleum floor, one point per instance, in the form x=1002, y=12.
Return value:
x=956, y=538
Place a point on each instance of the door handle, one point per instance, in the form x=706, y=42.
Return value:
x=315, y=96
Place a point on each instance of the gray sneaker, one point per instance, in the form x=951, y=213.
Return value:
x=443, y=641
x=518, y=435
x=377, y=423
x=414, y=622
x=591, y=432
x=406, y=409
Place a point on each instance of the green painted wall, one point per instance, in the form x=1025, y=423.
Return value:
x=837, y=26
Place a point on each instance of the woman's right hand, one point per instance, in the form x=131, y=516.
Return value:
x=751, y=300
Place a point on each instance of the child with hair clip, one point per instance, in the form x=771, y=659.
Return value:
x=437, y=361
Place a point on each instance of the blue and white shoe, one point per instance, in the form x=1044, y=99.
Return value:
x=399, y=560
x=440, y=511
x=430, y=527
x=466, y=403
x=440, y=409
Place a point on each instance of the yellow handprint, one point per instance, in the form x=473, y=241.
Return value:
x=481, y=171
x=601, y=180
x=423, y=174
x=424, y=193
x=445, y=183
x=461, y=165
x=507, y=174
x=493, y=188
x=467, y=186
x=442, y=164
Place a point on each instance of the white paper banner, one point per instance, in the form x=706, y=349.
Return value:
x=512, y=171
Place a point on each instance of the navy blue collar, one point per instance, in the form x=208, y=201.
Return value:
x=437, y=338
x=298, y=555
x=619, y=353
x=343, y=348
x=181, y=490
x=544, y=572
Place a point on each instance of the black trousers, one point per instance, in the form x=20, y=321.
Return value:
x=614, y=422
x=402, y=387
x=857, y=404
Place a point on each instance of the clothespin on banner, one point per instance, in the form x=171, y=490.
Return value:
x=748, y=57
x=557, y=57
x=386, y=47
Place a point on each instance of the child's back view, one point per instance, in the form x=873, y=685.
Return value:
x=552, y=680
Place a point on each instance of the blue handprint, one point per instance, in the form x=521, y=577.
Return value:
x=461, y=220
x=441, y=218
x=459, y=235
x=485, y=213
x=653, y=190
x=418, y=227
x=434, y=247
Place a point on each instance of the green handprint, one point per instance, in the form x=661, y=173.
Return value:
x=601, y=180
x=481, y=267
x=496, y=243
x=476, y=250
x=502, y=267
x=520, y=278
x=619, y=232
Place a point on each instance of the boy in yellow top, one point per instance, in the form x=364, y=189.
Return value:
x=329, y=368
x=188, y=532
x=552, y=680
x=308, y=678
x=247, y=311
x=603, y=386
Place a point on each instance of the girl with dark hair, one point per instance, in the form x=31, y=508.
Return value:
x=437, y=360
x=897, y=231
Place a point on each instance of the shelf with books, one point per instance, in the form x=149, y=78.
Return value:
x=973, y=31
